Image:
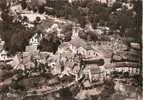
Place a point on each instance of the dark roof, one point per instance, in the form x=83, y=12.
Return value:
x=98, y=62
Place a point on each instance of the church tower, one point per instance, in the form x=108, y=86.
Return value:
x=34, y=43
x=75, y=31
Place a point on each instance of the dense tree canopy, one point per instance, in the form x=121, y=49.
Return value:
x=15, y=35
x=115, y=17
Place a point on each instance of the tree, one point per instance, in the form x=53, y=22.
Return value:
x=89, y=35
x=15, y=35
x=23, y=4
x=5, y=9
x=83, y=35
x=67, y=32
x=116, y=5
x=50, y=43
x=19, y=40
x=138, y=18
x=121, y=20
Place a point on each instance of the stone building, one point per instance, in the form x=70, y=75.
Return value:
x=33, y=43
x=91, y=57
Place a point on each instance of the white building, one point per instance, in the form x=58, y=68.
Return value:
x=32, y=16
x=3, y=55
x=108, y=2
x=34, y=42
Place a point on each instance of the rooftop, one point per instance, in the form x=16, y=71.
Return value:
x=78, y=42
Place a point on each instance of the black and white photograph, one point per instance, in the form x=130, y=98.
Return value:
x=71, y=50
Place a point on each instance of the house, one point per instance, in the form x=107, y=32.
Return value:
x=54, y=27
x=78, y=45
x=102, y=30
x=1, y=44
x=111, y=2
x=3, y=55
x=45, y=55
x=64, y=47
x=16, y=61
x=108, y=2
x=54, y=64
x=102, y=1
x=28, y=1
x=92, y=72
x=16, y=9
x=135, y=45
x=131, y=70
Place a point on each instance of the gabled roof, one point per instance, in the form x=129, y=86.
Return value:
x=44, y=55
x=78, y=42
x=67, y=54
x=63, y=45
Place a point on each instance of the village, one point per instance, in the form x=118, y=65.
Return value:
x=77, y=64
x=73, y=58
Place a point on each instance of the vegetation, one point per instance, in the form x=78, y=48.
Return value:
x=88, y=11
x=92, y=11
x=122, y=22
x=13, y=32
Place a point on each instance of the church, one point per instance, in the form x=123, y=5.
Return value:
x=34, y=43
